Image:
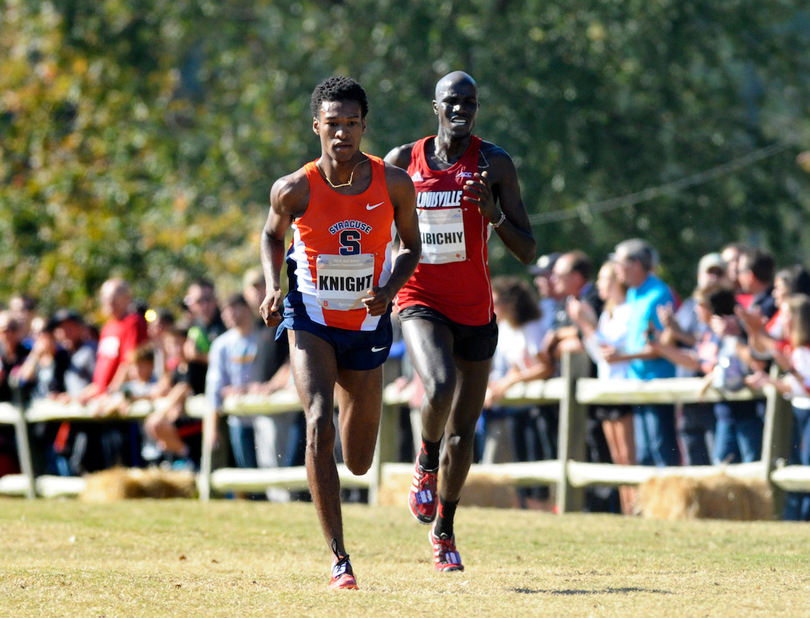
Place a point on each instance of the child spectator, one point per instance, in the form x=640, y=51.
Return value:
x=176, y=435
x=139, y=383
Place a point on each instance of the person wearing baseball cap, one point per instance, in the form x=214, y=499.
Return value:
x=544, y=264
x=711, y=268
x=549, y=300
x=61, y=316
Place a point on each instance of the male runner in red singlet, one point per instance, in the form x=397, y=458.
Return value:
x=344, y=209
x=446, y=308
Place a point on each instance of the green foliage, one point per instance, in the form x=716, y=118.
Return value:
x=141, y=137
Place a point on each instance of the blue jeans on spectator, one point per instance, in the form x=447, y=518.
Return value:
x=738, y=433
x=697, y=432
x=243, y=445
x=654, y=427
x=797, y=505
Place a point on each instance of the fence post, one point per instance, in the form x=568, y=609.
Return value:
x=776, y=441
x=385, y=449
x=208, y=432
x=571, y=440
x=24, y=453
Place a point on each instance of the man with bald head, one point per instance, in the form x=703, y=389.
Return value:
x=122, y=333
x=465, y=189
x=117, y=443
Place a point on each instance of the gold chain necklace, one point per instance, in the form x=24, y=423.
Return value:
x=345, y=184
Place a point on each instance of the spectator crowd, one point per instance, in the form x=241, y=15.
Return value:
x=747, y=323
x=212, y=346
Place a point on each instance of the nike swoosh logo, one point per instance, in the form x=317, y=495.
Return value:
x=370, y=207
x=378, y=349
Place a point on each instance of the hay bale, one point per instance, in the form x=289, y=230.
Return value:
x=479, y=490
x=125, y=483
x=714, y=497
x=491, y=491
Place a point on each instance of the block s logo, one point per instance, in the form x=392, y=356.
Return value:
x=350, y=242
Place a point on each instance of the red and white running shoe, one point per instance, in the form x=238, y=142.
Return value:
x=423, y=496
x=342, y=574
x=445, y=554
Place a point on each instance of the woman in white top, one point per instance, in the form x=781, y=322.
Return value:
x=601, y=338
x=519, y=358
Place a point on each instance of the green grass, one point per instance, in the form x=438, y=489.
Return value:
x=235, y=558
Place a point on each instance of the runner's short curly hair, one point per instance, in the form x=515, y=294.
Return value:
x=338, y=89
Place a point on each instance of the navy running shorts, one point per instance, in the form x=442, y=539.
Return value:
x=471, y=343
x=358, y=350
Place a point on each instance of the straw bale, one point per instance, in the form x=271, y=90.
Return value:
x=479, y=490
x=126, y=483
x=714, y=497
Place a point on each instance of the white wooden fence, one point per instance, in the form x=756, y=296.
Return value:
x=569, y=473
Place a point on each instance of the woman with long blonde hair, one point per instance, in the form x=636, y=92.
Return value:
x=601, y=337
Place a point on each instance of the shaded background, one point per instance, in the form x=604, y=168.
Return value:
x=141, y=138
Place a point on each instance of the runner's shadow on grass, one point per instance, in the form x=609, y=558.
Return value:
x=594, y=592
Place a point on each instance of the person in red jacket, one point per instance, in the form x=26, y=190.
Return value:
x=115, y=443
x=124, y=331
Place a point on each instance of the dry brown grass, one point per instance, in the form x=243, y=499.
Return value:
x=235, y=558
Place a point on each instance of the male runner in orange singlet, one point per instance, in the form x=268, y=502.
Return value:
x=344, y=209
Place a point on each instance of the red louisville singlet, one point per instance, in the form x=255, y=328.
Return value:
x=452, y=276
x=341, y=248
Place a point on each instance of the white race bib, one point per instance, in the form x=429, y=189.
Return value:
x=343, y=280
x=442, y=233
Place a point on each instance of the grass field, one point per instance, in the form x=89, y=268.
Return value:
x=235, y=558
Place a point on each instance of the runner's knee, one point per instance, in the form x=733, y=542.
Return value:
x=461, y=441
x=439, y=389
x=358, y=463
x=320, y=431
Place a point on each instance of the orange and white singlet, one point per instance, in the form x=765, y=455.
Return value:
x=341, y=248
x=453, y=275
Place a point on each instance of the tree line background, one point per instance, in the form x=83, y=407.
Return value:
x=141, y=137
